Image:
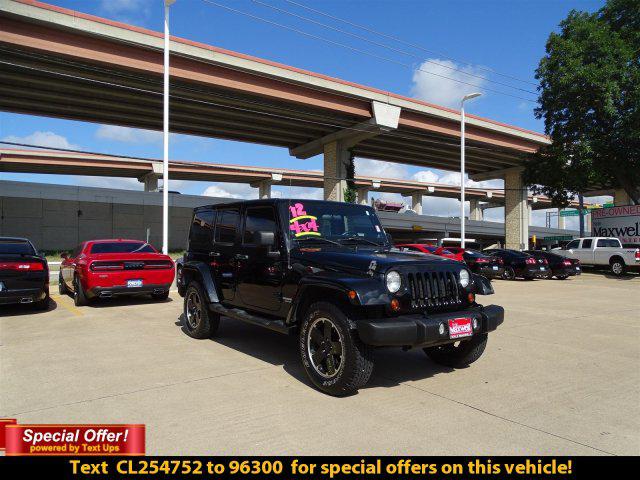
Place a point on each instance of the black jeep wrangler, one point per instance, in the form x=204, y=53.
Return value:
x=327, y=272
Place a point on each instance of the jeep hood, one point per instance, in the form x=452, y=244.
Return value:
x=350, y=259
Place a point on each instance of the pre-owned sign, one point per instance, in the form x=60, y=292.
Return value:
x=622, y=222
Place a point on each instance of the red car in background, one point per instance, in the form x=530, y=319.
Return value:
x=109, y=268
x=425, y=248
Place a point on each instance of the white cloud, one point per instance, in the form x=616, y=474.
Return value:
x=128, y=135
x=231, y=190
x=297, y=192
x=43, y=139
x=124, y=9
x=426, y=176
x=430, y=84
x=378, y=168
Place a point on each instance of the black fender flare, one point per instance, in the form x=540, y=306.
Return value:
x=203, y=273
x=369, y=291
x=482, y=285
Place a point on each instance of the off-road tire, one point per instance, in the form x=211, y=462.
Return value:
x=62, y=287
x=618, y=267
x=199, y=321
x=356, y=358
x=562, y=277
x=79, y=297
x=160, y=296
x=460, y=356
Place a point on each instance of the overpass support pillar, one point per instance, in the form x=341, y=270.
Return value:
x=587, y=224
x=264, y=186
x=150, y=180
x=475, y=212
x=516, y=211
x=363, y=196
x=416, y=201
x=336, y=157
x=561, y=222
x=150, y=183
x=620, y=197
x=264, y=189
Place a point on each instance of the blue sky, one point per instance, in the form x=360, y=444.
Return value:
x=474, y=36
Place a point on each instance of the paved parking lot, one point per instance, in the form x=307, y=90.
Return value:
x=559, y=377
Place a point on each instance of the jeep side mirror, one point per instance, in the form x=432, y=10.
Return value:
x=264, y=238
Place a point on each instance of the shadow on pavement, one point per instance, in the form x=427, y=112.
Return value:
x=13, y=310
x=392, y=365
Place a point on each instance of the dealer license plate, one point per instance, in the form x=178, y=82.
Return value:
x=1, y=286
x=134, y=283
x=542, y=269
x=460, y=327
x=577, y=269
x=495, y=267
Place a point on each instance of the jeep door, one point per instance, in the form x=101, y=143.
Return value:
x=259, y=266
x=225, y=248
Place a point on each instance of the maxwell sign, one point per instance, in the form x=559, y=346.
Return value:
x=622, y=222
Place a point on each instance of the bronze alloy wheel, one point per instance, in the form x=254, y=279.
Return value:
x=325, y=347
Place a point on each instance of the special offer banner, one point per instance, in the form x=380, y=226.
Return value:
x=75, y=439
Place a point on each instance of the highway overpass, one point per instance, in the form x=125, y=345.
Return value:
x=58, y=217
x=62, y=63
x=148, y=171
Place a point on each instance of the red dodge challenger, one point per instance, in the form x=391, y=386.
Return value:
x=109, y=268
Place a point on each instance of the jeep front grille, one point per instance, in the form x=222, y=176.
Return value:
x=434, y=290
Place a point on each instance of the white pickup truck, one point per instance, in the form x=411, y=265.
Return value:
x=599, y=251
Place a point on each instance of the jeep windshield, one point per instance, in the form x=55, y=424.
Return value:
x=335, y=223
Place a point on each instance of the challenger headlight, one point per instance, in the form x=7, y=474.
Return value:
x=394, y=281
x=464, y=278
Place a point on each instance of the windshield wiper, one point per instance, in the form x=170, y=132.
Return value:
x=362, y=239
x=314, y=238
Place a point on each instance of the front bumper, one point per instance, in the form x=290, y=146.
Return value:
x=423, y=330
x=25, y=295
x=108, y=292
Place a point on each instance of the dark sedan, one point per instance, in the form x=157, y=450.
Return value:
x=518, y=264
x=24, y=275
x=485, y=265
x=559, y=267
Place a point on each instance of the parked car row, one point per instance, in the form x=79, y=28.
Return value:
x=504, y=263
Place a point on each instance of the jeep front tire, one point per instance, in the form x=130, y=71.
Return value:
x=333, y=356
x=458, y=355
x=199, y=321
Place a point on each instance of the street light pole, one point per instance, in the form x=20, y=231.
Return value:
x=165, y=139
x=462, y=168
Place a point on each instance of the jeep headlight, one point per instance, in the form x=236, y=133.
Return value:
x=394, y=281
x=464, y=278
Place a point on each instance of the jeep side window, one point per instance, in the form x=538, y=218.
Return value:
x=227, y=225
x=258, y=219
x=201, y=233
x=572, y=244
x=586, y=243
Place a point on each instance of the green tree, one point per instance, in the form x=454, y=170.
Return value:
x=590, y=102
x=350, y=193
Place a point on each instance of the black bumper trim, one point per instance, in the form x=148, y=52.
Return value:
x=108, y=292
x=422, y=331
x=8, y=297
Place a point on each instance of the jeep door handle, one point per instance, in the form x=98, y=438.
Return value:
x=241, y=256
x=214, y=254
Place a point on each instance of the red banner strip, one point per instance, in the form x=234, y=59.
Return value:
x=3, y=423
x=75, y=439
